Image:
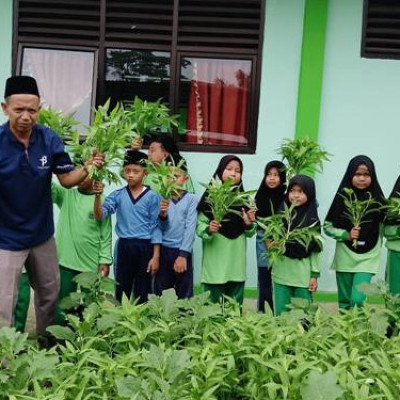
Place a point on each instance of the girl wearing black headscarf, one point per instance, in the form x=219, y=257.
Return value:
x=296, y=273
x=269, y=198
x=392, y=234
x=224, y=242
x=356, y=264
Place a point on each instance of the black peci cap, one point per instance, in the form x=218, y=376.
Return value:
x=135, y=157
x=21, y=85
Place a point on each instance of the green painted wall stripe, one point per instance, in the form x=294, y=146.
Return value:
x=312, y=68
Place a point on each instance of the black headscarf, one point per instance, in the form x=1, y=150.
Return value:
x=269, y=200
x=369, y=232
x=306, y=215
x=232, y=226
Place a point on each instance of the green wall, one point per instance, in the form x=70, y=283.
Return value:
x=5, y=44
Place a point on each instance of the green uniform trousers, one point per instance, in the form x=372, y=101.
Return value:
x=235, y=290
x=393, y=272
x=348, y=294
x=67, y=286
x=283, y=295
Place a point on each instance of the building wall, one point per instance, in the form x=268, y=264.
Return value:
x=359, y=106
x=359, y=111
x=5, y=44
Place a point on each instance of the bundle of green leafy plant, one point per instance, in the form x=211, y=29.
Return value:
x=171, y=349
x=63, y=124
x=278, y=229
x=357, y=210
x=110, y=134
x=223, y=197
x=302, y=155
x=163, y=178
x=146, y=116
x=392, y=209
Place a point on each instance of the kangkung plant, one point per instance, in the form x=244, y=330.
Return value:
x=163, y=178
x=357, y=210
x=302, y=155
x=110, y=134
x=392, y=209
x=146, y=116
x=278, y=231
x=169, y=349
x=224, y=197
x=63, y=124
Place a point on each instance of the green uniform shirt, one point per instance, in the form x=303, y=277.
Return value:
x=346, y=260
x=82, y=242
x=392, y=235
x=224, y=260
x=294, y=272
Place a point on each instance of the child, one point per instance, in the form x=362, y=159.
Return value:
x=269, y=198
x=137, y=208
x=296, y=273
x=178, y=224
x=83, y=244
x=392, y=234
x=224, y=242
x=355, y=265
x=162, y=147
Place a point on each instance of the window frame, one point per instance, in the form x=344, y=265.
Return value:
x=177, y=51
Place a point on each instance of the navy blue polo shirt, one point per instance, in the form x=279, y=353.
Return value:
x=26, y=210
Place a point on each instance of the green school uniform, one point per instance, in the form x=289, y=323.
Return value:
x=83, y=243
x=392, y=234
x=352, y=268
x=224, y=260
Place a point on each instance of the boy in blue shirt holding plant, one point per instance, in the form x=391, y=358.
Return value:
x=138, y=249
x=177, y=222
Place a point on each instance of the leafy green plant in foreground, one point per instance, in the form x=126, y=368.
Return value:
x=173, y=349
x=224, y=196
x=392, y=209
x=110, y=134
x=278, y=230
x=357, y=210
x=163, y=178
x=302, y=155
x=63, y=124
x=146, y=116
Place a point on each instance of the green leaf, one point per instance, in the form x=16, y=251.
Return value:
x=61, y=332
x=321, y=387
x=128, y=386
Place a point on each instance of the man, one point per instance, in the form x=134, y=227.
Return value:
x=29, y=155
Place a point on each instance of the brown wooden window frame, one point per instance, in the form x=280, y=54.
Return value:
x=176, y=50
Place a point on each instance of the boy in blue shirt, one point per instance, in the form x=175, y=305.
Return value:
x=177, y=222
x=138, y=249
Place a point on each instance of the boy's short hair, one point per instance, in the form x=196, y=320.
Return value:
x=135, y=157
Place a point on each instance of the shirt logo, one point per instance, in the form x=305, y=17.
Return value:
x=43, y=160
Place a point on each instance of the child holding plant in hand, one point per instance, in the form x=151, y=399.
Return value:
x=177, y=221
x=137, y=208
x=269, y=198
x=296, y=273
x=354, y=220
x=224, y=242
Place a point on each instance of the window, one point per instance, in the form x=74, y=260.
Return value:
x=381, y=29
x=202, y=57
x=65, y=78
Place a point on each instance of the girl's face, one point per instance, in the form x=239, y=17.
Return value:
x=233, y=171
x=362, y=178
x=297, y=196
x=157, y=152
x=273, y=180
